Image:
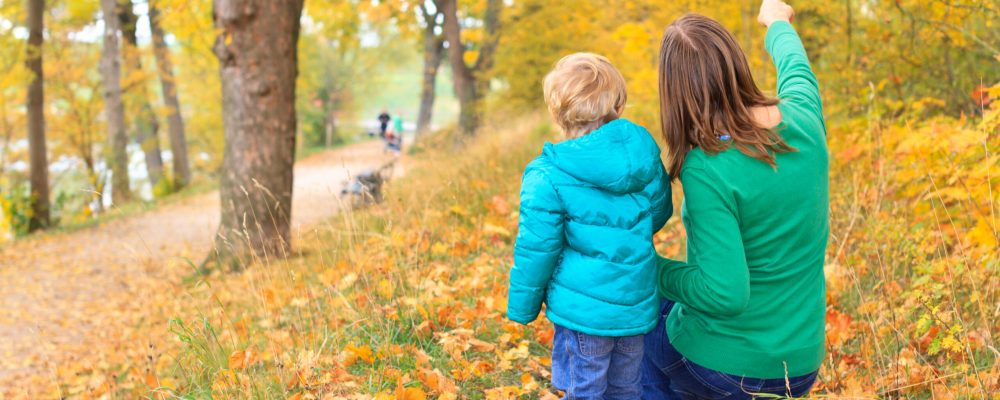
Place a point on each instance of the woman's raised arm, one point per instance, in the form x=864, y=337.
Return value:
x=796, y=81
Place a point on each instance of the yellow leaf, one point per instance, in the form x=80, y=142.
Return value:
x=481, y=346
x=225, y=379
x=459, y=210
x=983, y=234
x=363, y=352
x=439, y=249
x=347, y=281
x=422, y=311
x=470, y=56
x=241, y=359
x=948, y=193
x=489, y=228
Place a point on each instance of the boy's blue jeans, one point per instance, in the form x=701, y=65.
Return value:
x=596, y=367
x=668, y=375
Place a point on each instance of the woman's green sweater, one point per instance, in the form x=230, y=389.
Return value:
x=751, y=298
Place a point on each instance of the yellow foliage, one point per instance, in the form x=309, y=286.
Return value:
x=405, y=300
x=908, y=264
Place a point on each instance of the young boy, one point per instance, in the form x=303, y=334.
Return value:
x=589, y=208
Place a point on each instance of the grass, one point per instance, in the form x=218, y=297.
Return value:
x=115, y=211
x=405, y=300
x=197, y=187
x=403, y=297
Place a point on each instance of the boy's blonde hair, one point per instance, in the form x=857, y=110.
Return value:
x=583, y=92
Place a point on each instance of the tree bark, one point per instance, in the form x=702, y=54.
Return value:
x=329, y=98
x=849, y=27
x=433, y=53
x=178, y=141
x=484, y=63
x=8, y=132
x=462, y=76
x=329, y=127
x=257, y=51
x=114, y=111
x=37, y=154
x=144, y=125
x=470, y=82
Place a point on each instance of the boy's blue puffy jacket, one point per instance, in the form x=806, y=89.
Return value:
x=589, y=209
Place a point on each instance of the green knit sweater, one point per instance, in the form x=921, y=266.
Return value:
x=751, y=298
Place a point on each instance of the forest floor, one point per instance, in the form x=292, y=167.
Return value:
x=407, y=300
x=90, y=298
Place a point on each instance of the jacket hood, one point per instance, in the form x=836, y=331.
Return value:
x=620, y=157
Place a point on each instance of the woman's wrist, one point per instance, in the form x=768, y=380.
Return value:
x=772, y=11
x=771, y=22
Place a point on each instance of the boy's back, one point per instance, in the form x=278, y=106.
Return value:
x=589, y=208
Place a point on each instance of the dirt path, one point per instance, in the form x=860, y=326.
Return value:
x=72, y=301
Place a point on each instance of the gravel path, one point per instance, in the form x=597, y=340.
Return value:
x=72, y=301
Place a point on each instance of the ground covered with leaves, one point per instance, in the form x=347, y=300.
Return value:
x=406, y=300
x=86, y=313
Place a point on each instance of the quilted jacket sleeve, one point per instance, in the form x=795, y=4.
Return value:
x=661, y=201
x=539, y=244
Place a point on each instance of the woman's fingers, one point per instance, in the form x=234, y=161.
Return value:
x=775, y=10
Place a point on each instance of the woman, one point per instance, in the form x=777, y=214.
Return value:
x=745, y=312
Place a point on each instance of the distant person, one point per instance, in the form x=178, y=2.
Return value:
x=396, y=140
x=383, y=122
x=397, y=123
x=589, y=208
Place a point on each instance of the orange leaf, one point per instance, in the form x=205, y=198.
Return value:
x=355, y=352
x=838, y=327
x=544, y=336
x=405, y=393
x=498, y=204
x=241, y=359
x=481, y=346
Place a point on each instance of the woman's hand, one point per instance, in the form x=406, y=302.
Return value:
x=775, y=10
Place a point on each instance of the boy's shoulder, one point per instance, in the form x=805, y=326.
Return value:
x=541, y=165
x=543, y=171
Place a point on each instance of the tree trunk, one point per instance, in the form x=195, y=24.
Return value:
x=114, y=112
x=462, y=76
x=145, y=124
x=470, y=84
x=178, y=142
x=38, y=158
x=257, y=51
x=329, y=127
x=8, y=132
x=484, y=63
x=97, y=183
x=329, y=109
x=433, y=53
x=849, y=27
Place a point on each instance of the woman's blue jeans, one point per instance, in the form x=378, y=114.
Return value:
x=668, y=375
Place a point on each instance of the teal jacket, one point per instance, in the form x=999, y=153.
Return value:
x=589, y=209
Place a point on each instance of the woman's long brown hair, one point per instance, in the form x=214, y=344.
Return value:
x=706, y=91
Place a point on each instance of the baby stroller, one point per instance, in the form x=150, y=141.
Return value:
x=365, y=188
x=394, y=142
